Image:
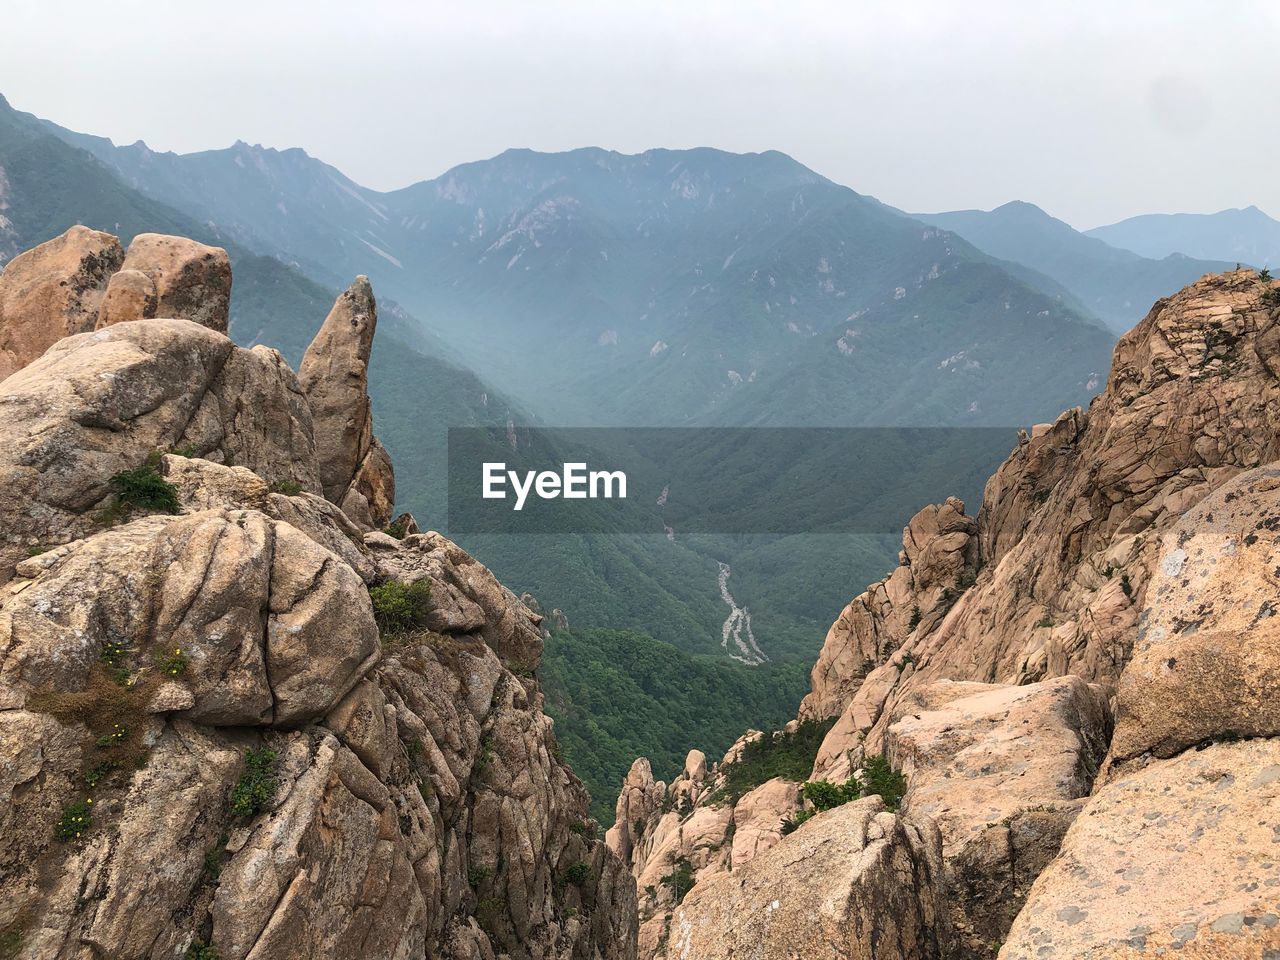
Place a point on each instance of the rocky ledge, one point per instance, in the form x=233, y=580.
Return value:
x=235, y=720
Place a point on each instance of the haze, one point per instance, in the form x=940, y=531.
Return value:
x=1095, y=111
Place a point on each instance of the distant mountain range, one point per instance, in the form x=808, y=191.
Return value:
x=1116, y=285
x=1243, y=236
x=669, y=287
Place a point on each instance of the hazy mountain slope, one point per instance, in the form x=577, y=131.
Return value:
x=1245, y=236
x=1117, y=285
x=652, y=288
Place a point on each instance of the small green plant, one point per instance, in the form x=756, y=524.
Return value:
x=916, y=617
x=116, y=735
x=584, y=828
x=1045, y=621
x=186, y=451
x=1264, y=275
x=93, y=776
x=578, y=874
x=680, y=879
x=484, y=755
x=413, y=748
x=637, y=828
x=172, y=664
x=478, y=875
x=398, y=528
x=882, y=779
x=142, y=488
x=10, y=944
x=400, y=607
x=199, y=950
x=792, y=823
x=36, y=551
x=825, y=795
x=1126, y=585
x=113, y=651
x=290, y=488
x=257, y=786
x=77, y=817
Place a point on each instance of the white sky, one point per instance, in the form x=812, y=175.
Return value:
x=1095, y=111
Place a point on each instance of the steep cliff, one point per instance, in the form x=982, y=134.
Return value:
x=1076, y=686
x=234, y=723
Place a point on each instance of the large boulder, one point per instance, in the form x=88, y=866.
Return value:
x=355, y=471
x=1002, y=770
x=1206, y=662
x=53, y=291
x=101, y=403
x=1176, y=859
x=164, y=276
x=855, y=882
x=268, y=627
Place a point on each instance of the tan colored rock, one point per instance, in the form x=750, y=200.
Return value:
x=939, y=553
x=1001, y=770
x=413, y=803
x=273, y=628
x=355, y=471
x=100, y=403
x=758, y=816
x=467, y=598
x=53, y=291
x=191, y=281
x=638, y=801
x=1206, y=663
x=1071, y=524
x=130, y=295
x=1175, y=859
x=853, y=882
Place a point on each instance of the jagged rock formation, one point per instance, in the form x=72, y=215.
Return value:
x=355, y=470
x=1071, y=522
x=854, y=882
x=1121, y=570
x=206, y=739
x=53, y=291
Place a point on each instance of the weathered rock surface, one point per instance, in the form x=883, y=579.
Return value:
x=1001, y=770
x=355, y=471
x=1071, y=524
x=1178, y=859
x=188, y=280
x=53, y=291
x=1206, y=662
x=100, y=403
x=853, y=882
x=203, y=738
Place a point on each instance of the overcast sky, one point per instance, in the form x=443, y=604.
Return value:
x=1096, y=111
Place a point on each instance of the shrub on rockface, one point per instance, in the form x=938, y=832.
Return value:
x=143, y=488
x=400, y=607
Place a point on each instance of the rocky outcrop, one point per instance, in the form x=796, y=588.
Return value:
x=207, y=745
x=937, y=562
x=1120, y=575
x=1002, y=770
x=854, y=882
x=1173, y=850
x=1071, y=523
x=53, y=291
x=165, y=276
x=98, y=404
x=355, y=470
